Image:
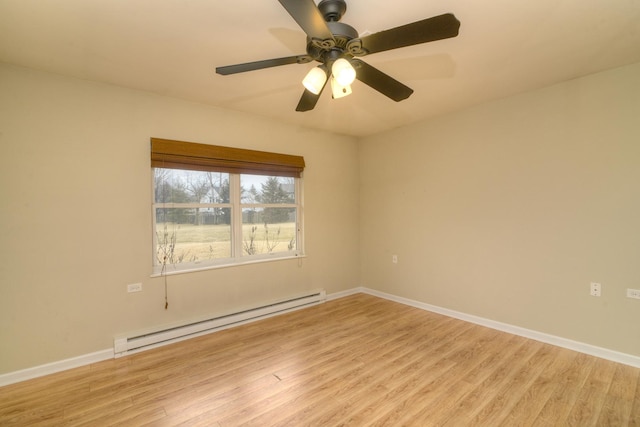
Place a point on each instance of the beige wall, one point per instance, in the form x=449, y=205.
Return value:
x=75, y=217
x=510, y=209
x=506, y=211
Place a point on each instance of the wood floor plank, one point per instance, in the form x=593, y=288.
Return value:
x=358, y=360
x=570, y=382
x=479, y=383
x=618, y=403
x=499, y=408
x=590, y=402
x=634, y=417
x=615, y=412
x=535, y=397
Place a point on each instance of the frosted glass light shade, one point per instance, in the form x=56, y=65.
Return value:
x=338, y=90
x=343, y=72
x=314, y=80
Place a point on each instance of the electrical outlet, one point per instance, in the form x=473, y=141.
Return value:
x=596, y=289
x=134, y=287
x=633, y=293
x=394, y=259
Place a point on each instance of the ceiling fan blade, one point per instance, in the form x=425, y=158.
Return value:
x=428, y=30
x=258, y=65
x=381, y=82
x=309, y=18
x=308, y=101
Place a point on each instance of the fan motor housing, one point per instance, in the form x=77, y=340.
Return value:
x=342, y=33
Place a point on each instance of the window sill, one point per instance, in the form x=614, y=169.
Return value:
x=172, y=271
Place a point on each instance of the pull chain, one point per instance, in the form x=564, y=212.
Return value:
x=166, y=293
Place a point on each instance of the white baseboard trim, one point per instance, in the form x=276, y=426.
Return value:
x=603, y=353
x=54, y=367
x=99, y=356
x=342, y=294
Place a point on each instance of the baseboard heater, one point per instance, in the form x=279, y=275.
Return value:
x=136, y=342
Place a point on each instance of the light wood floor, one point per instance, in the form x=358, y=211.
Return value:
x=356, y=361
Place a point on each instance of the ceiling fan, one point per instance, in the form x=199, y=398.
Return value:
x=337, y=47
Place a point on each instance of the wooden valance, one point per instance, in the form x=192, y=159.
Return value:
x=166, y=153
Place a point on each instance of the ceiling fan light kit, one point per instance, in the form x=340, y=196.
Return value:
x=343, y=72
x=339, y=90
x=315, y=80
x=337, y=45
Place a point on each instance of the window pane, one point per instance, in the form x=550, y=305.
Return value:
x=183, y=186
x=267, y=189
x=183, y=235
x=195, y=218
x=268, y=230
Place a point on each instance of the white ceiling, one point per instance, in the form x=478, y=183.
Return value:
x=171, y=47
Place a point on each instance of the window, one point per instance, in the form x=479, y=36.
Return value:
x=217, y=206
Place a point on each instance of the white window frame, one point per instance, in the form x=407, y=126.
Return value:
x=237, y=255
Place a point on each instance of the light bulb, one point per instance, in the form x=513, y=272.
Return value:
x=343, y=72
x=314, y=80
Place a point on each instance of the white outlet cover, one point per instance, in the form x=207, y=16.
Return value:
x=633, y=293
x=134, y=287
